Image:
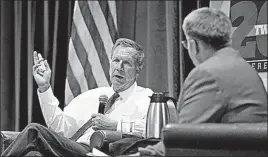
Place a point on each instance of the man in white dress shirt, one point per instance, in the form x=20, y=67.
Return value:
x=127, y=59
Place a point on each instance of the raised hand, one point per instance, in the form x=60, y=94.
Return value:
x=102, y=122
x=41, y=72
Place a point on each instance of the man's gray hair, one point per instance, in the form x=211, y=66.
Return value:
x=209, y=25
x=139, y=56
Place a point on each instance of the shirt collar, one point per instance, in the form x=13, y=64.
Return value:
x=127, y=93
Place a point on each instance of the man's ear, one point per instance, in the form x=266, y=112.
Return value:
x=137, y=75
x=193, y=46
x=139, y=68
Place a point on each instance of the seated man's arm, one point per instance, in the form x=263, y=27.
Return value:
x=202, y=100
x=55, y=118
x=53, y=115
x=74, y=115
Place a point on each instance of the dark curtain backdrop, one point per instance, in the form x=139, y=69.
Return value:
x=26, y=26
x=45, y=26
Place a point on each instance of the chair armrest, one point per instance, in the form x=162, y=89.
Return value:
x=101, y=137
x=216, y=136
x=7, y=137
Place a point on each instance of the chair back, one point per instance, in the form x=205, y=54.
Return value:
x=215, y=139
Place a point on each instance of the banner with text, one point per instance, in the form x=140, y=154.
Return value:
x=249, y=20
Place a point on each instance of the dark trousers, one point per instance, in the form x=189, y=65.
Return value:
x=36, y=137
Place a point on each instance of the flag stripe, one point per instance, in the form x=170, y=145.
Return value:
x=74, y=86
x=109, y=19
x=68, y=92
x=87, y=41
x=99, y=45
x=112, y=6
x=82, y=55
x=77, y=68
x=93, y=33
x=101, y=24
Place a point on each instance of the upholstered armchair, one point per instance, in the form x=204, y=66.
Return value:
x=216, y=139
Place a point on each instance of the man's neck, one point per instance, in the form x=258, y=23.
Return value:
x=126, y=93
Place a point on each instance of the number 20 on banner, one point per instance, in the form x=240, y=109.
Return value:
x=249, y=19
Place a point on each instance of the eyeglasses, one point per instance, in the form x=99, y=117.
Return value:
x=185, y=44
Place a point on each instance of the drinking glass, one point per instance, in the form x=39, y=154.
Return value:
x=127, y=124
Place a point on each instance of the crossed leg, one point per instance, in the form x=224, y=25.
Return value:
x=36, y=137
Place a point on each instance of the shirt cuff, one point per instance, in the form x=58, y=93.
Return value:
x=47, y=97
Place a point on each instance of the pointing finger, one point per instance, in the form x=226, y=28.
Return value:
x=35, y=57
x=40, y=56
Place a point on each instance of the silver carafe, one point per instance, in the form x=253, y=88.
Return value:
x=158, y=115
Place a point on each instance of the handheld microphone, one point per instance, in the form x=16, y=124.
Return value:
x=103, y=99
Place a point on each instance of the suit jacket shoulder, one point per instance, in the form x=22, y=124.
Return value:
x=242, y=94
x=201, y=98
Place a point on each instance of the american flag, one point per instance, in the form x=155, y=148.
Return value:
x=94, y=31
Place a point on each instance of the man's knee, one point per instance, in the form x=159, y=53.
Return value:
x=33, y=129
x=34, y=126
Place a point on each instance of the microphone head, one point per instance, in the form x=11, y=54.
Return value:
x=103, y=98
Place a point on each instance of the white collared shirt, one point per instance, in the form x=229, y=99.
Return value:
x=134, y=101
